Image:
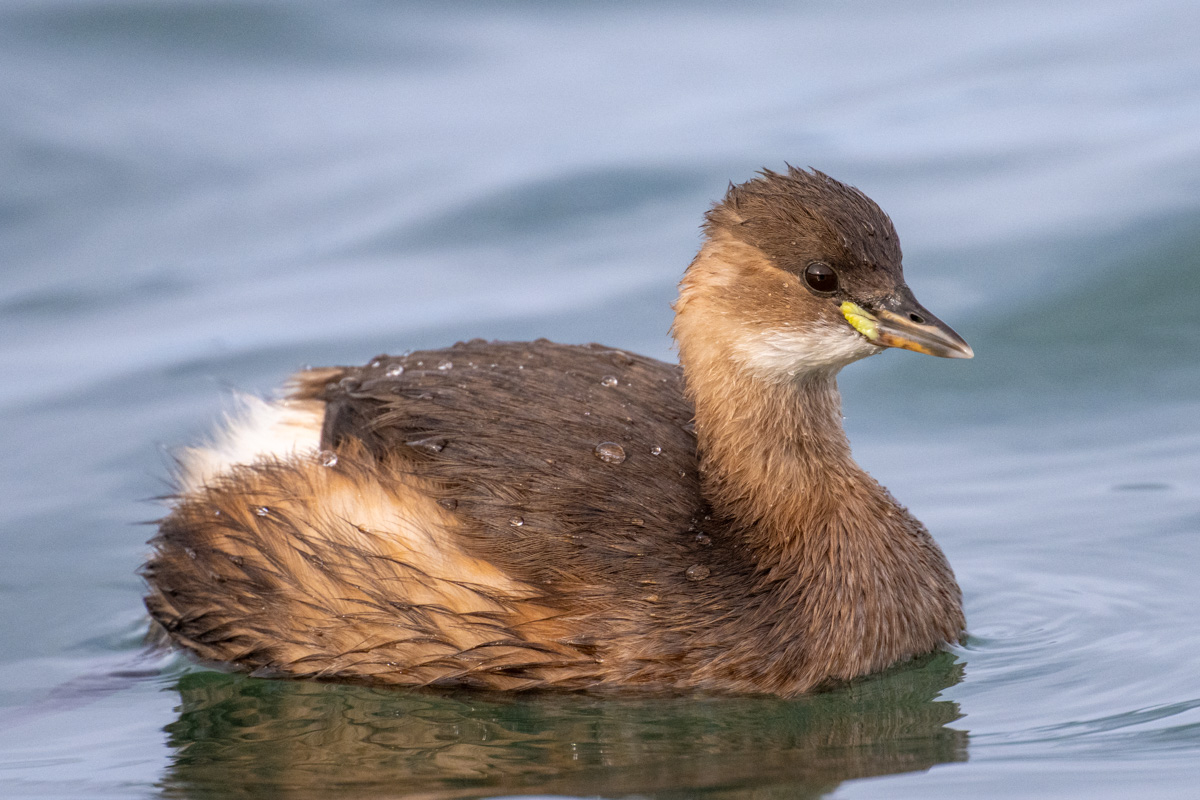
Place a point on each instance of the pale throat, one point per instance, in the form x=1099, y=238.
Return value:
x=803, y=353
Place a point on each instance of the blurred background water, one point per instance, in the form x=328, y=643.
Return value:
x=205, y=196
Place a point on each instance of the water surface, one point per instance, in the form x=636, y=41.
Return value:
x=202, y=197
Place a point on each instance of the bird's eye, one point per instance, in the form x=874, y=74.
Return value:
x=820, y=277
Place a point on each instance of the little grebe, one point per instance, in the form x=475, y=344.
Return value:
x=518, y=516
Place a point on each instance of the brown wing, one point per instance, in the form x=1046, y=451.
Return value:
x=567, y=466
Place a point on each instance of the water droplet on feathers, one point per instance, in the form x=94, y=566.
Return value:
x=432, y=444
x=448, y=503
x=395, y=372
x=517, y=522
x=656, y=451
x=609, y=380
x=446, y=365
x=697, y=572
x=610, y=452
x=328, y=458
x=262, y=511
x=703, y=539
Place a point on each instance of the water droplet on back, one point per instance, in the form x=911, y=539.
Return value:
x=656, y=451
x=703, y=539
x=395, y=372
x=609, y=380
x=445, y=365
x=262, y=511
x=328, y=458
x=517, y=522
x=610, y=452
x=697, y=572
x=432, y=444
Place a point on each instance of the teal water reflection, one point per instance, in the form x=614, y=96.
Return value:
x=300, y=739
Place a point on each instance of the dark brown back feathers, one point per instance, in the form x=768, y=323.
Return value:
x=579, y=469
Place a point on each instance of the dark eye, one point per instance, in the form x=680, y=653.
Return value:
x=820, y=277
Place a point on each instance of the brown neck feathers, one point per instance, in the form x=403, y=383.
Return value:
x=848, y=579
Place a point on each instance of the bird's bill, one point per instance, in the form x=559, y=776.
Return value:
x=906, y=324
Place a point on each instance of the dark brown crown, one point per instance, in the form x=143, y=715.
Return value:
x=803, y=215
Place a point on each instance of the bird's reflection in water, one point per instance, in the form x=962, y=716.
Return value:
x=238, y=736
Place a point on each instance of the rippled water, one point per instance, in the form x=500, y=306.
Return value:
x=205, y=196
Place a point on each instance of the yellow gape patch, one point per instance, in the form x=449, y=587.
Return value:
x=861, y=320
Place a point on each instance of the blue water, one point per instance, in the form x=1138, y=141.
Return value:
x=203, y=196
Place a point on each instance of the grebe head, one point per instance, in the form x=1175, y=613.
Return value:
x=800, y=274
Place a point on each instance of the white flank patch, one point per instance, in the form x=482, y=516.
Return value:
x=259, y=430
x=787, y=354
